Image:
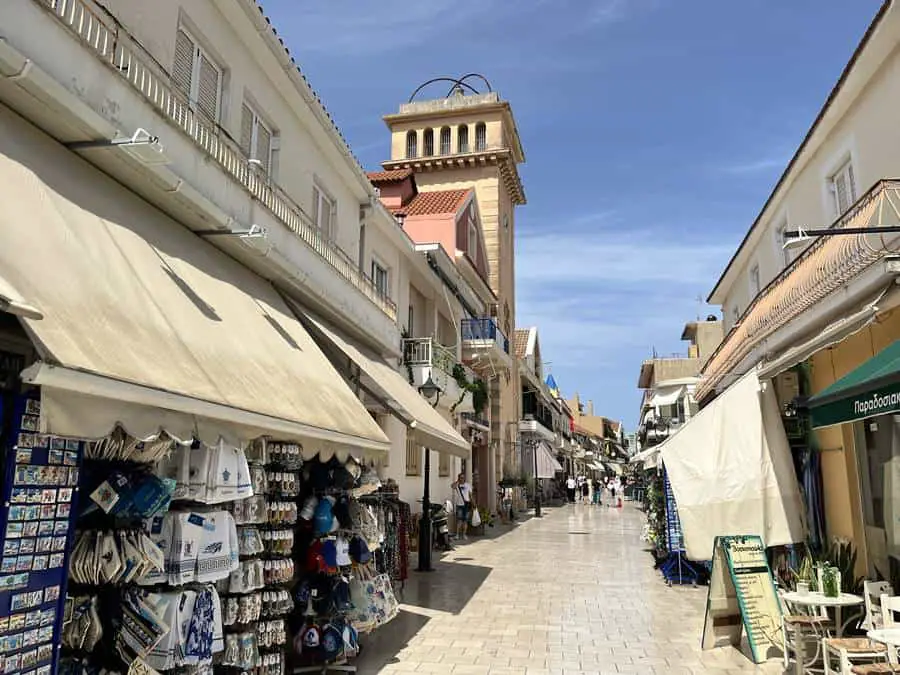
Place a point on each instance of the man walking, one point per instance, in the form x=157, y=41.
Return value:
x=571, y=485
x=461, y=495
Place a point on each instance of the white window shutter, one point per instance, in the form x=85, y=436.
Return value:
x=263, y=149
x=183, y=65
x=246, y=130
x=851, y=185
x=840, y=191
x=315, y=206
x=208, y=88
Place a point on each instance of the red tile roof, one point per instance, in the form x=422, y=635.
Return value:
x=434, y=203
x=393, y=176
x=521, y=341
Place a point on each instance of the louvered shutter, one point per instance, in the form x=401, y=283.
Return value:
x=208, y=88
x=315, y=208
x=246, y=130
x=840, y=190
x=413, y=458
x=183, y=66
x=263, y=145
x=851, y=185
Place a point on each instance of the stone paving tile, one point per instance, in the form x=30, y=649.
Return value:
x=573, y=592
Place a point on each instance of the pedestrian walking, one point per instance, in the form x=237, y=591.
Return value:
x=611, y=486
x=598, y=492
x=570, y=489
x=585, y=490
x=461, y=495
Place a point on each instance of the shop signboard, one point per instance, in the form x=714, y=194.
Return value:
x=881, y=401
x=742, y=595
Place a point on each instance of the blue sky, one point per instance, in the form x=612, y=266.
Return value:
x=653, y=131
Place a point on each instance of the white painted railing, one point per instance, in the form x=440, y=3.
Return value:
x=114, y=46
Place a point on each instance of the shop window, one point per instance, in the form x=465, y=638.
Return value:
x=842, y=186
x=413, y=458
x=445, y=141
x=196, y=75
x=428, y=143
x=412, y=145
x=324, y=209
x=443, y=464
x=256, y=138
x=462, y=138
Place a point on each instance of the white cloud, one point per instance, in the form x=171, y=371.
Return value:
x=604, y=299
x=757, y=165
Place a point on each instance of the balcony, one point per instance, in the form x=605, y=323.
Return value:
x=484, y=344
x=531, y=426
x=426, y=357
x=107, y=75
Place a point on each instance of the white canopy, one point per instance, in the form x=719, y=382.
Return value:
x=667, y=395
x=148, y=326
x=731, y=471
x=547, y=466
x=426, y=423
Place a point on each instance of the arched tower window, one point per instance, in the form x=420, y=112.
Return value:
x=428, y=143
x=445, y=141
x=462, y=138
x=412, y=144
x=480, y=137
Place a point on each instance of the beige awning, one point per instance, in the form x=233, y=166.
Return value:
x=13, y=303
x=425, y=423
x=148, y=326
x=546, y=464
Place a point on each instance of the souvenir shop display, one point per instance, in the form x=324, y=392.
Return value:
x=340, y=592
x=40, y=491
x=386, y=522
x=152, y=543
x=256, y=596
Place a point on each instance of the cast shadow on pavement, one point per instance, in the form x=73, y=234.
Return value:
x=448, y=589
x=381, y=647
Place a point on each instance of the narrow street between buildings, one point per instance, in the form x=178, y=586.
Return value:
x=572, y=592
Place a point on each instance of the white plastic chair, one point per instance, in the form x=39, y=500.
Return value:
x=798, y=628
x=888, y=606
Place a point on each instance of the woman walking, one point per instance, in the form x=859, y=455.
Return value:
x=585, y=490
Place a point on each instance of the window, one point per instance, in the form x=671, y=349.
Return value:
x=443, y=464
x=323, y=212
x=472, y=241
x=380, y=279
x=196, y=75
x=843, y=189
x=754, y=281
x=735, y=315
x=428, y=143
x=445, y=141
x=413, y=458
x=480, y=137
x=462, y=138
x=784, y=254
x=256, y=138
x=412, y=145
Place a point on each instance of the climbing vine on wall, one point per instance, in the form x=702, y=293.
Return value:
x=477, y=388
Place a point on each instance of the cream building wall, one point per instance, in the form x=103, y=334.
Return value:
x=859, y=127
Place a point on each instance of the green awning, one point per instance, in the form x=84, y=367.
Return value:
x=871, y=389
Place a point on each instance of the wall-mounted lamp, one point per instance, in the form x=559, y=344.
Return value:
x=431, y=391
x=255, y=232
x=801, y=237
x=143, y=146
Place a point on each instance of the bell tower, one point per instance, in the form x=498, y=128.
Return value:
x=468, y=138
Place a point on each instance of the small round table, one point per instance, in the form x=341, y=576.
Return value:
x=817, y=599
x=886, y=636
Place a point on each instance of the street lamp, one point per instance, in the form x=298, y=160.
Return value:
x=801, y=237
x=430, y=391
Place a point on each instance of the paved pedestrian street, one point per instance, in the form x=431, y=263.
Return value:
x=573, y=592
